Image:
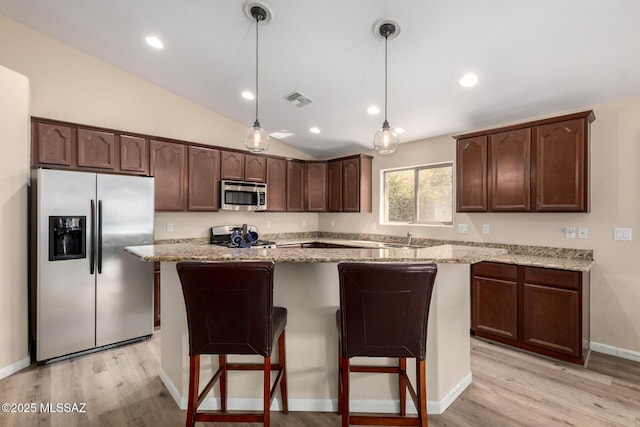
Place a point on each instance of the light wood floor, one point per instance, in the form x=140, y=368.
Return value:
x=121, y=387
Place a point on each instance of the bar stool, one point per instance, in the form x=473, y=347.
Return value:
x=230, y=311
x=384, y=310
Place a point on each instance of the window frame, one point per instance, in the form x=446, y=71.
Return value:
x=416, y=169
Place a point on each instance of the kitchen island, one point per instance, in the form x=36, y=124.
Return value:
x=306, y=283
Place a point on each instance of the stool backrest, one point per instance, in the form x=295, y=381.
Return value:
x=385, y=308
x=229, y=306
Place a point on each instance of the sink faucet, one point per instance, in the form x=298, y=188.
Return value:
x=409, y=238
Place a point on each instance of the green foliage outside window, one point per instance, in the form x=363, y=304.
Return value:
x=419, y=195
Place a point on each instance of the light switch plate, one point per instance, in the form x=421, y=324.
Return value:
x=622, y=233
x=582, y=232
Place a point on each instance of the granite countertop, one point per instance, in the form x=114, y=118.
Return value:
x=173, y=252
x=369, y=250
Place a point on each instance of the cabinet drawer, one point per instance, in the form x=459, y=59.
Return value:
x=496, y=270
x=551, y=277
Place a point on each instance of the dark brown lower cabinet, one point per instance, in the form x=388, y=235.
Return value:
x=543, y=310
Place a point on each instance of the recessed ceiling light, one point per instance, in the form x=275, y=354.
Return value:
x=153, y=41
x=373, y=110
x=469, y=80
x=314, y=130
x=248, y=95
x=398, y=130
x=281, y=134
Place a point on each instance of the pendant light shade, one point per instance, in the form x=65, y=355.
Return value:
x=386, y=141
x=257, y=140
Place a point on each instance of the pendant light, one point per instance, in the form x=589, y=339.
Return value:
x=257, y=139
x=386, y=141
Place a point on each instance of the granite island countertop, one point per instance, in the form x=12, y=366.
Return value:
x=173, y=252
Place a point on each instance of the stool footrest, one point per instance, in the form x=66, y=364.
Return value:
x=250, y=366
x=383, y=420
x=216, y=416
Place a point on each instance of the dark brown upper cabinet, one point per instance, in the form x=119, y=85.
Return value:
x=55, y=144
x=96, y=149
x=204, y=179
x=356, y=184
x=540, y=166
x=561, y=162
x=510, y=171
x=238, y=166
x=471, y=174
x=334, y=185
x=316, y=179
x=276, y=184
x=295, y=186
x=134, y=154
x=169, y=167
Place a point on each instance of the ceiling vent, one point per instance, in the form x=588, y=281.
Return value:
x=298, y=99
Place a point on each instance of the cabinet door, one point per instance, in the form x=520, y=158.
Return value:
x=561, y=158
x=351, y=185
x=551, y=310
x=471, y=175
x=169, y=167
x=204, y=179
x=316, y=178
x=134, y=154
x=550, y=318
x=54, y=144
x=510, y=171
x=295, y=186
x=232, y=165
x=494, y=307
x=276, y=185
x=96, y=149
x=334, y=186
x=255, y=169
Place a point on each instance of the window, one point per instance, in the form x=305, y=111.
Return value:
x=418, y=195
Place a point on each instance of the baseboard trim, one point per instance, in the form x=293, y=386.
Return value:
x=320, y=405
x=615, y=351
x=14, y=367
x=173, y=390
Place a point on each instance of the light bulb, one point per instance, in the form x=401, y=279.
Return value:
x=386, y=141
x=257, y=139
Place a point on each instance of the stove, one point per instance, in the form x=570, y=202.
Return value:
x=238, y=236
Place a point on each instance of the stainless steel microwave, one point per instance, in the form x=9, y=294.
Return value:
x=243, y=196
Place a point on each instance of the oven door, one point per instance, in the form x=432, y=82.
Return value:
x=243, y=196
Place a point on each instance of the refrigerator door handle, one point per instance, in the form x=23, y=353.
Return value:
x=92, y=256
x=99, y=236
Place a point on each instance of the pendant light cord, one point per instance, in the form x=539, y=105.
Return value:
x=385, y=77
x=257, y=23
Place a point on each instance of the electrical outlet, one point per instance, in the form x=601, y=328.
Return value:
x=333, y=223
x=570, y=232
x=582, y=232
x=485, y=229
x=463, y=228
x=304, y=222
x=169, y=227
x=374, y=225
x=268, y=224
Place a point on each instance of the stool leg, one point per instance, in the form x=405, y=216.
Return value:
x=282, y=363
x=344, y=367
x=421, y=386
x=266, y=391
x=222, y=362
x=402, y=386
x=194, y=383
x=339, y=376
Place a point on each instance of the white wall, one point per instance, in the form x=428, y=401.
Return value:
x=615, y=202
x=14, y=169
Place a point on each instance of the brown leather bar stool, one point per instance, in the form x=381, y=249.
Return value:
x=384, y=310
x=230, y=311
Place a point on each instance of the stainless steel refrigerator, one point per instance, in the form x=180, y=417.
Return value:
x=86, y=292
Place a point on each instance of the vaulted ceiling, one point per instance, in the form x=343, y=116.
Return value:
x=532, y=58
